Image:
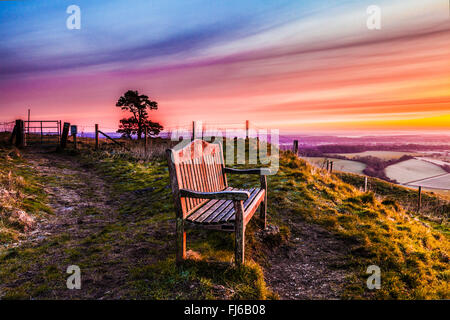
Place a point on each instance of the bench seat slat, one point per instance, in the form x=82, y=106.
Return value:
x=218, y=213
x=219, y=204
x=254, y=196
x=206, y=205
x=218, y=207
x=211, y=209
x=251, y=207
x=230, y=211
x=222, y=211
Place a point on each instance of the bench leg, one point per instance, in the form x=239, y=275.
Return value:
x=181, y=241
x=240, y=233
x=263, y=205
x=263, y=213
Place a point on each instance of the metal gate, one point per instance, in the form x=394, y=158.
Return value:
x=44, y=132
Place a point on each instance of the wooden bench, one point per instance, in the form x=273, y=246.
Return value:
x=203, y=198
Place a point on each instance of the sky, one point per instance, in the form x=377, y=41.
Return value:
x=297, y=66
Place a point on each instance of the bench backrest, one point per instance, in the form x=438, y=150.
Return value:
x=197, y=166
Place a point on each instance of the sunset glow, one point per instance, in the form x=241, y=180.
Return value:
x=292, y=65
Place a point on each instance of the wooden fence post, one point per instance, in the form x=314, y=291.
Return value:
x=365, y=184
x=96, y=136
x=73, y=132
x=328, y=165
x=331, y=166
x=13, y=135
x=193, y=130
x=295, y=147
x=419, y=200
x=28, y=128
x=65, y=134
x=20, y=137
x=247, y=127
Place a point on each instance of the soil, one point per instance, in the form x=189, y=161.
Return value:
x=310, y=266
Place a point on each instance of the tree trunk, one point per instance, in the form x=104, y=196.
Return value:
x=139, y=131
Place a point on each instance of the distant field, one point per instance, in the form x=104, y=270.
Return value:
x=441, y=182
x=384, y=155
x=412, y=170
x=338, y=164
x=435, y=161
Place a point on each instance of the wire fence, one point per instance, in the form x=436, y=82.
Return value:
x=7, y=126
x=154, y=146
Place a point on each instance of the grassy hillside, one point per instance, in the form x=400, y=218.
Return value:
x=22, y=199
x=434, y=207
x=412, y=256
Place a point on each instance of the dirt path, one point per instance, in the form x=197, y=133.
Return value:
x=310, y=266
x=78, y=197
x=85, y=230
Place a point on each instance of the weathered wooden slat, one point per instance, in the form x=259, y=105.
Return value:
x=223, y=208
x=192, y=179
x=223, y=165
x=187, y=184
x=258, y=171
x=218, y=213
x=196, y=178
x=208, y=177
x=253, y=206
x=220, y=169
x=193, y=216
x=228, y=213
x=209, y=174
x=212, y=213
x=205, y=207
x=214, y=174
x=219, y=204
x=250, y=208
x=204, y=175
x=230, y=216
x=221, y=195
x=182, y=184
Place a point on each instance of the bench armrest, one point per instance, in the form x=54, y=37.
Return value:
x=222, y=195
x=259, y=171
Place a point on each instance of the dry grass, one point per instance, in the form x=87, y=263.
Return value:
x=21, y=197
x=413, y=257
